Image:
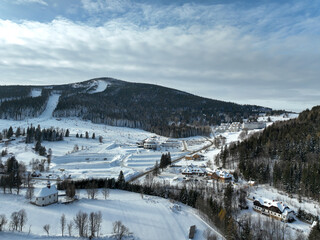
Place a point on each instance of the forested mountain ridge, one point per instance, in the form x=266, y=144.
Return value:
x=286, y=154
x=162, y=110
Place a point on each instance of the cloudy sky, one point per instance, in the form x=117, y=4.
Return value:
x=249, y=52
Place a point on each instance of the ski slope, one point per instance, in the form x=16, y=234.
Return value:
x=100, y=86
x=51, y=106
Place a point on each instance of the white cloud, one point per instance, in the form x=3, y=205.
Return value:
x=94, y=6
x=42, y=2
x=222, y=60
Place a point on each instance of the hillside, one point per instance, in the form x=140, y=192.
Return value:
x=285, y=155
x=161, y=110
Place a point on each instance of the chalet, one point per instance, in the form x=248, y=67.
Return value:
x=150, y=144
x=193, y=170
x=198, y=157
x=274, y=209
x=219, y=174
x=47, y=195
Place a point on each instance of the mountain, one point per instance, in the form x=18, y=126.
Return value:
x=154, y=108
x=286, y=155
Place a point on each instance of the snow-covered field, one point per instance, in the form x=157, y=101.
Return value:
x=117, y=152
x=146, y=217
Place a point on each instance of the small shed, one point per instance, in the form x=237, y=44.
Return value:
x=47, y=195
x=192, y=231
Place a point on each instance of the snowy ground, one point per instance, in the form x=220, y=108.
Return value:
x=146, y=217
x=93, y=159
x=150, y=218
x=99, y=85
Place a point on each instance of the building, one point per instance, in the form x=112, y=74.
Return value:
x=219, y=175
x=150, y=144
x=193, y=170
x=254, y=125
x=235, y=127
x=196, y=157
x=47, y=195
x=170, y=143
x=274, y=209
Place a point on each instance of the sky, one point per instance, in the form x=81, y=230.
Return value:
x=260, y=52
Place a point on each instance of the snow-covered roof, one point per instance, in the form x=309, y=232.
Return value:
x=45, y=191
x=150, y=141
x=192, y=169
x=280, y=205
x=222, y=174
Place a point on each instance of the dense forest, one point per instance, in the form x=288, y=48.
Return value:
x=161, y=110
x=21, y=107
x=157, y=109
x=285, y=155
x=14, y=92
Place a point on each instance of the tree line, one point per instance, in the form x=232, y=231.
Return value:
x=285, y=155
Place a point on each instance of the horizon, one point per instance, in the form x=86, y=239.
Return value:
x=258, y=52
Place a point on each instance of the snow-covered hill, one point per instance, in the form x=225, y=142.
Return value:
x=146, y=217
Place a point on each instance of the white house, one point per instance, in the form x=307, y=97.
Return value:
x=193, y=170
x=150, y=144
x=170, y=143
x=274, y=209
x=47, y=195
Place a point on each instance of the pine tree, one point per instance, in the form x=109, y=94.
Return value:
x=67, y=133
x=10, y=133
x=121, y=178
x=18, y=132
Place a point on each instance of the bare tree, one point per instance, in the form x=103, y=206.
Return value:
x=22, y=218
x=120, y=230
x=92, y=191
x=70, y=226
x=63, y=223
x=46, y=228
x=14, y=221
x=105, y=192
x=30, y=192
x=3, y=222
x=95, y=220
x=81, y=223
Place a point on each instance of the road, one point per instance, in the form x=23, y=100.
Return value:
x=174, y=161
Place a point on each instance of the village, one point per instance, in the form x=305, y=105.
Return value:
x=192, y=166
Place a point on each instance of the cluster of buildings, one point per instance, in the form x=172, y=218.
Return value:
x=237, y=126
x=217, y=174
x=153, y=143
